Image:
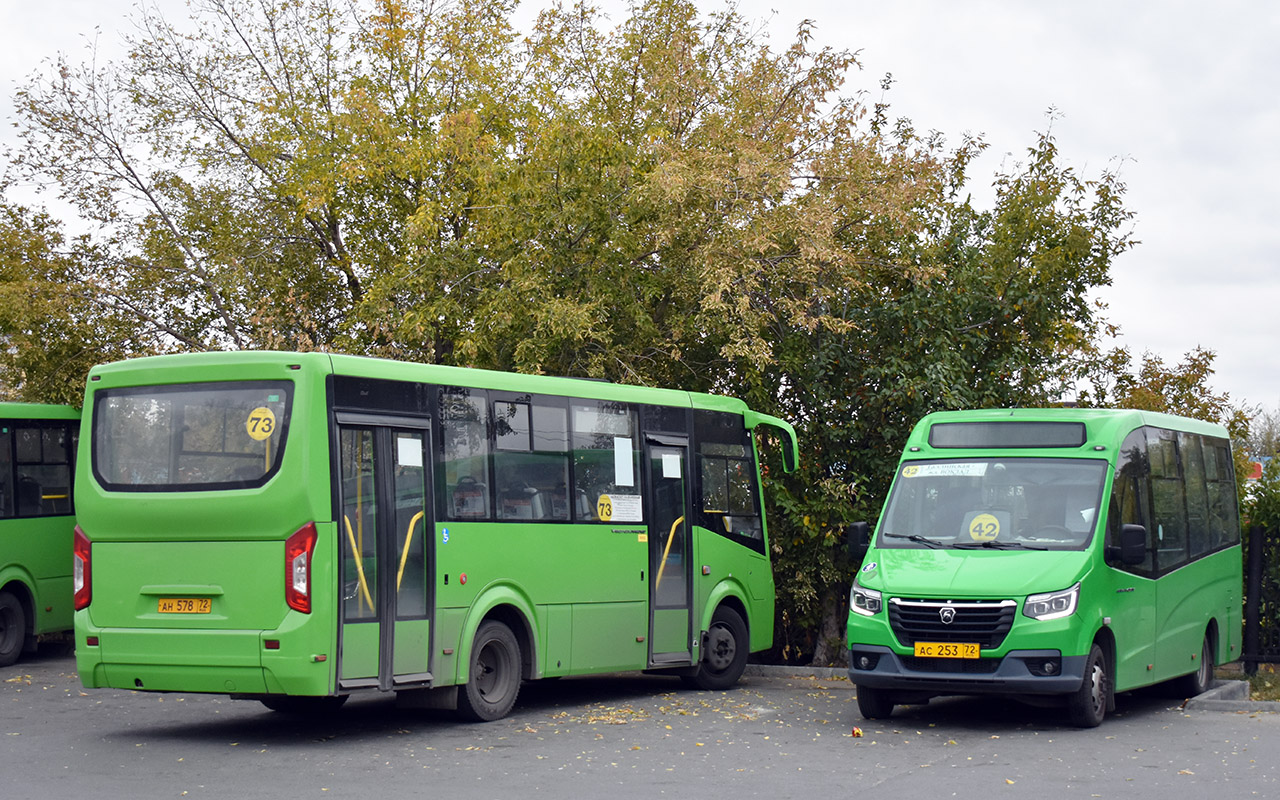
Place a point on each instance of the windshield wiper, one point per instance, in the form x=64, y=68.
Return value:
x=997, y=546
x=918, y=539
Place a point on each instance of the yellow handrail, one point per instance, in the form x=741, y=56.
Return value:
x=670, y=538
x=408, y=540
x=359, y=559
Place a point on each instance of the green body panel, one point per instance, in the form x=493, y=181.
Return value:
x=1157, y=625
x=747, y=578
x=35, y=552
x=580, y=591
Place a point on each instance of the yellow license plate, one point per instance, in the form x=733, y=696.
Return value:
x=947, y=649
x=185, y=605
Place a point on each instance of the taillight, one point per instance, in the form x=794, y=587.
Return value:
x=297, y=567
x=81, y=570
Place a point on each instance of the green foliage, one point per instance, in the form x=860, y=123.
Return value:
x=670, y=201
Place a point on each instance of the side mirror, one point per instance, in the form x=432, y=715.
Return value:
x=858, y=537
x=1132, y=545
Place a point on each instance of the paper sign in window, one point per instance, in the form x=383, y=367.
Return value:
x=671, y=465
x=623, y=468
x=409, y=451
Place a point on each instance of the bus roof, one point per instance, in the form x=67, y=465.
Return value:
x=1102, y=427
x=153, y=370
x=37, y=411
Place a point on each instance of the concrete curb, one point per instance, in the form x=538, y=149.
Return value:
x=772, y=671
x=1229, y=696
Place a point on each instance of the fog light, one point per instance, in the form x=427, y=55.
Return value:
x=864, y=661
x=1043, y=667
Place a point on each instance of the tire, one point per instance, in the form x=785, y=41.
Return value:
x=493, y=681
x=875, y=703
x=1088, y=705
x=13, y=628
x=1198, y=682
x=724, y=655
x=304, y=705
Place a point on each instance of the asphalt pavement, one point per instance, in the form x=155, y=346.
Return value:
x=781, y=733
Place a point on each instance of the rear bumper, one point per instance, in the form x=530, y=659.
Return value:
x=1012, y=674
x=212, y=661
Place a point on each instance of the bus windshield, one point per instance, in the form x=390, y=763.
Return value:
x=190, y=437
x=1000, y=503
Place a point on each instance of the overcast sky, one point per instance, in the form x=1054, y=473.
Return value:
x=1180, y=97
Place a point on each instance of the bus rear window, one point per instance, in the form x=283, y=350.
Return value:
x=189, y=437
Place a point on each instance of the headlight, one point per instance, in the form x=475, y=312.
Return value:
x=864, y=601
x=1052, y=605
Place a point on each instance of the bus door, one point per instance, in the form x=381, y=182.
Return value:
x=670, y=551
x=387, y=556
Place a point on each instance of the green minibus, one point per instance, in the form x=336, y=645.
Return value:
x=1054, y=555
x=37, y=456
x=294, y=528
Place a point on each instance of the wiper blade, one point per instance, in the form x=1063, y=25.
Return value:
x=997, y=546
x=917, y=538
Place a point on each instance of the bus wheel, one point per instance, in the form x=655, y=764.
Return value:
x=1198, y=682
x=304, y=705
x=874, y=703
x=724, y=656
x=494, y=678
x=1088, y=705
x=13, y=628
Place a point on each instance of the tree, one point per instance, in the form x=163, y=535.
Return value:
x=671, y=201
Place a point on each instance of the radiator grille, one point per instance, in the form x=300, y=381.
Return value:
x=986, y=622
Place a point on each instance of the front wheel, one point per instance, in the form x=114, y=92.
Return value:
x=493, y=681
x=874, y=703
x=13, y=628
x=724, y=656
x=1088, y=705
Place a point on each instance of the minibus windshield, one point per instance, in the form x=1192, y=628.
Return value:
x=994, y=503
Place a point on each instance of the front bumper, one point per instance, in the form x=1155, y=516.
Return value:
x=879, y=667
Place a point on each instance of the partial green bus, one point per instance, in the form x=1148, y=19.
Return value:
x=295, y=528
x=37, y=462
x=1055, y=555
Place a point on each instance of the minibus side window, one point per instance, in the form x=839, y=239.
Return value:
x=1168, y=495
x=1129, y=497
x=1193, y=471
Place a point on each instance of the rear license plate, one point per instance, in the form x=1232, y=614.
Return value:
x=946, y=649
x=185, y=605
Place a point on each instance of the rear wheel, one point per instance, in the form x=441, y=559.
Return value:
x=724, y=657
x=493, y=681
x=1197, y=682
x=13, y=628
x=1088, y=705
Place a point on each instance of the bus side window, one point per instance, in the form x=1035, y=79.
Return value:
x=42, y=472
x=531, y=459
x=1193, y=473
x=1168, y=501
x=6, y=472
x=464, y=428
x=1129, y=498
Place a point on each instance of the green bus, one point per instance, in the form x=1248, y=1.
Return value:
x=1054, y=555
x=37, y=456
x=294, y=528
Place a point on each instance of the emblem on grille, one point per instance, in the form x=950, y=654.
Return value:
x=947, y=614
